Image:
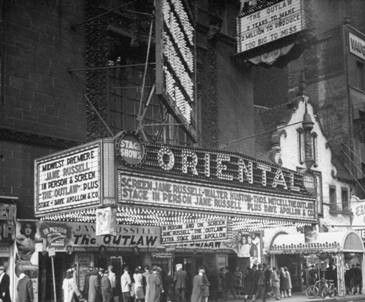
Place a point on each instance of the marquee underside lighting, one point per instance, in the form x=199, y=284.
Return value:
x=162, y=217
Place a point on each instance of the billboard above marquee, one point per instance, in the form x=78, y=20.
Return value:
x=262, y=25
x=175, y=60
x=75, y=178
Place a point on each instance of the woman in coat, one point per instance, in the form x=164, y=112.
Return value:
x=138, y=284
x=69, y=287
x=154, y=286
x=197, y=293
x=289, y=283
x=94, y=294
x=205, y=287
x=106, y=288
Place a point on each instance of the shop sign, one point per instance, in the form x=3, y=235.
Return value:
x=84, y=235
x=269, y=24
x=231, y=169
x=219, y=244
x=68, y=180
x=105, y=221
x=162, y=255
x=175, y=63
x=130, y=148
x=55, y=233
x=195, y=231
x=357, y=46
x=158, y=191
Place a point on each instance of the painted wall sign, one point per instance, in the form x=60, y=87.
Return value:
x=175, y=65
x=226, y=168
x=357, y=46
x=158, y=191
x=196, y=231
x=68, y=180
x=269, y=24
x=84, y=235
x=358, y=210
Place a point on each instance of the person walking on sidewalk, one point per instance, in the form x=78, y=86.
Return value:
x=275, y=282
x=289, y=283
x=261, y=286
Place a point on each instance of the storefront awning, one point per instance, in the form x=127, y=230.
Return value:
x=331, y=242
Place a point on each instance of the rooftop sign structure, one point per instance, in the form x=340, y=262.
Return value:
x=267, y=22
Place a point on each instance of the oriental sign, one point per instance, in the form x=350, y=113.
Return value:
x=221, y=168
x=162, y=192
x=68, y=180
x=175, y=63
x=262, y=26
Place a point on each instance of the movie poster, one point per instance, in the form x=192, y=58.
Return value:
x=248, y=248
x=26, y=260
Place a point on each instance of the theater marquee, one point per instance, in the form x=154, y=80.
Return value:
x=164, y=192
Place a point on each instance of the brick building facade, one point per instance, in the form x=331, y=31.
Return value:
x=58, y=58
x=331, y=79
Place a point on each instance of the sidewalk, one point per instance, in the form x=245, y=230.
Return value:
x=303, y=298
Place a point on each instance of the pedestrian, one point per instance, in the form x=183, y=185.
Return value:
x=125, y=285
x=106, y=287
x=238, y=281
x=267, y=273
x=289, y=283
x=229, y=284
x=261, y=286
x=205, y=287
x=248, y=283
x=69, y=287
x=180, y=282
x=154, y=286
x=94, y=288
x=112, y=278
x=275, y=282
x=220, y=284
x=282, y=282
x=138, y=285
x=85, y=291
x=197, y=293
x=358, y=279
x=24, y=287
x=4, y=285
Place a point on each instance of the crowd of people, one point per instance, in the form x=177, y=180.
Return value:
x=153, y=285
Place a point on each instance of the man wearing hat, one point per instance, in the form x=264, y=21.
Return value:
x=180, y=280
x=4, y=285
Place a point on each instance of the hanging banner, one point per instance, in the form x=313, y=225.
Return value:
x=106, y=221
x=83, y=235
x=196, y=231
x=68, y=180
x=157, y=191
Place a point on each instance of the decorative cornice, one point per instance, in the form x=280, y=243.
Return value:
x=35, y=139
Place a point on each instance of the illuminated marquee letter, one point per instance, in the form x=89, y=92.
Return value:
x=185, y=154
x=245, y=169
x=264, y=168
x=163, y=153
x=292, y=186
x=221, y=167
x=207, y=164
x=279, y=180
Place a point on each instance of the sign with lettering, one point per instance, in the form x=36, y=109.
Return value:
x=358, y=211
x=264, y=25
x=130, y=148
x=68, y=180
x=195, y=231
x=357, y=46
x=221, y=168
x=158, y=191
x=84, y=235
x=175, y=63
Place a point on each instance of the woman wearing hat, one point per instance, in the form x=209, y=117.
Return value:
x=69, y=286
